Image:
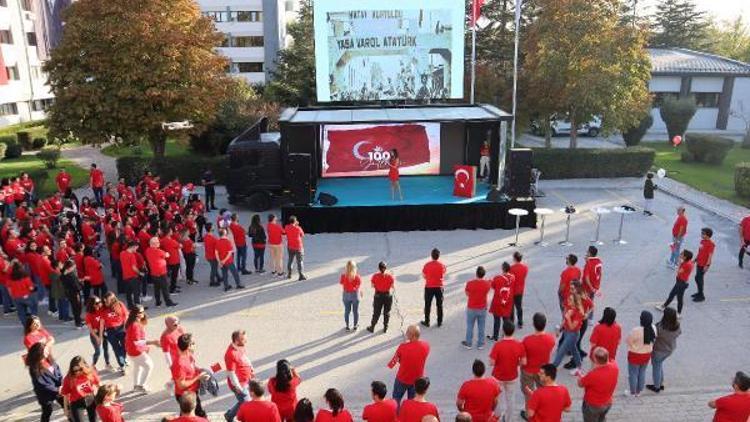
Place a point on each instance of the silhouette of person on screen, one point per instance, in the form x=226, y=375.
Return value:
x=393, y=175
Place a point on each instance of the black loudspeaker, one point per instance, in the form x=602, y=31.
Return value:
x=327, y=199
x=299, y=174
x=495, y=195
x=518, y=172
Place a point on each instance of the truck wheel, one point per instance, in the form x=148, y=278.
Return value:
x=259, y=201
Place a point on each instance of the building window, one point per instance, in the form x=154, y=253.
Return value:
x=6, y=37
x=41, y=105
x=13, y=73
x=249, y=67
x=26, y=5
x=245, y=16
x=660, y=97
x=31, y=37
x=8, y=109
x=36, y=72
x=707, y=99
x=247, y=41
x=216, y=16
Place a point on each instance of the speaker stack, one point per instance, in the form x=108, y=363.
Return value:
x=518, y=173
x=298, y=174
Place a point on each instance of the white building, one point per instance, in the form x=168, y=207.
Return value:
x=24, y=93
x=718, y=84
x=255, y=30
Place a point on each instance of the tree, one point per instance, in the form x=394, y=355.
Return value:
x=731, y=39
x=124, y=68
x=676, y=114
x=293, y=81
x=679, y=23
x=582, y=62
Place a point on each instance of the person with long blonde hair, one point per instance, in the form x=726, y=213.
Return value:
x=573, y=315
x=351, y=282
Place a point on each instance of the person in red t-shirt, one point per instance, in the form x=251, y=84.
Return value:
x=283, y=389
x=383, y=283
x=681, y=284
x=209, y=247
x=62, y=180
x=519, y=270
x=505, y=357
x=568, y=275
x=239, y=235
x=484, y=160
x=257, y=409
x=479, y=395
x=337, y=412
x=188, y=253
x=225, y=259
x=136, y=346
x=275, y=234
x=186, y=374
x=239, y=372
x=21, y=289
x=106, y=408
x=188, y=403
x=476, y=308
x=573, y=317
x=96, y=179
x=433, y=273
x=734, y=407
x=548, y=402
x=94, y=275
x=351, y=282
x=606, y=334
x=131, y=274
x=744, y=239
x=294, y=246
x=501, y=307
x=78, y=389
x=172, y=247
x=592, y=272
x=599, y=386
x=538, y=347
x=679, y=230
x=413, y=410
x=157, y=265
x=703, y=261
x=381, y=409
x=411, y=357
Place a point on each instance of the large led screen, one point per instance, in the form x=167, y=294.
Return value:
x=365, y=150
x=372, y=50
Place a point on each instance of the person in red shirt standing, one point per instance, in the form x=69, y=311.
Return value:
x=239, y=235
x=62, y=180
x=137, y=348
x=131, y=274
x=239, y=372
x=96, y=179
x=275, y=234
x=679, y=229
x=413, y=410
x=351, y=282
x=411, y=357
x=538, y=347
x=479, y=395
x=681, y=284
x=383, y=283
x=607, y=333
x=744, y=239
x=433, y=273
x=337, y=412
x=548, y=402
x=157, y=266
x=505, y=357
x=188, y=253
x=257, y=409
x=734, y=407
x=393, y=175
x=27, y=183
x=572, y=322
x=21, y=290
x=225, y=259
x=209, y=247
x=186, y=374
x=381, y=409
x=187, y=409
x=592, y=272
x=283, y=389
x=519, y=270
x=484, y=160
x=294, y=246
x=78, y=389
x=94, y=274
x=568, y=275
x=106, y=408
x=599, y=386
x=703, y=261
x=476, y=308
x=172, y=247
x=501, y=307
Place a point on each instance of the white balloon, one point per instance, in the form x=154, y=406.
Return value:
x=661, y=173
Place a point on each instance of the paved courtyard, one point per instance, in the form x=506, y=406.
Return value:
x=303, y=321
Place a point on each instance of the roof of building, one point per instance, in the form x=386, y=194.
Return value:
x=371, y=114
x=684, y=61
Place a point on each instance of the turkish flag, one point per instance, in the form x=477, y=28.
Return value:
x=476, y=10
x=369, y=149
x=3, y=73
x=464, y=181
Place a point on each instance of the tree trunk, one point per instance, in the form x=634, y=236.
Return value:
x=158, y=140
x=573, y=131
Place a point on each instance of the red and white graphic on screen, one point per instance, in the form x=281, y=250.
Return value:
x=369, y=149
x=463, y=181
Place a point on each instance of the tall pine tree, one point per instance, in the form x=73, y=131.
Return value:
x=679, y=23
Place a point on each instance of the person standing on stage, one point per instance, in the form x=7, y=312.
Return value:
x=744, y=238
x=519, y=270
x=679, y=230
x=411, y=357
x=383, y=283
x=484, y=160
x=703, y=261
x=295, y=247
x=393, y=175
x=433, y=273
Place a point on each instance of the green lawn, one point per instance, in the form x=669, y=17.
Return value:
x=36, y=131
x=29, y=163
x=715, y=180
x=174, y=148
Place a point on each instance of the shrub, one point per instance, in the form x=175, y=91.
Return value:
x=742, y=179
x=50, y=156
x=706, y=148
x=38, y=143
x=13, y=150
x=677, y=114
x=7, y=139
x=24, y=139
x=188, y=169
x=557, y=163
x=633, y=135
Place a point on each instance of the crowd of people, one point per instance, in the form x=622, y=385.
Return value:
x=51, y=257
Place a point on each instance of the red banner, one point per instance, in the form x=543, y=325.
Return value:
x=3, y=72
x=464, y=181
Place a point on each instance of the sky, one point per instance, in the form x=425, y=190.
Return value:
x=721, y=9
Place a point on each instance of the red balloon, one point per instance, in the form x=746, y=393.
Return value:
x=677, y=140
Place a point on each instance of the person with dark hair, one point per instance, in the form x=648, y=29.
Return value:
x=73, y=287
x=303, y=412
x=703, y=261
x=607, y=333
x=505, y=358
x=225, y=259
x=157, y=266
x=667, y=331
x=131, y=274
x=186, y=374
x=393, y=175
x=679, y=230
x=411, y=357
x=538, y=346
x=115, y=314
x=96, y=180
x=106, y=408
x=209, y=245
x=463, y=417
x=384, y=284
x=337, y=412
x=548, y=402
x=94, y=273
x=78, y=389
x=171, y=247
x=275, y=245
x=137, y=348
x=381, y=409
x=34, y=332
x=433, y=273
x=735, y=406
x=599, y=386
x=95, y=323
x=519, y=270
x=479, y=396
x=208, y=182
x=744, y=230
x=501, y=307
x=476, y=308
x=187, y=246
x=568, y=275
x=648, y=194
x=21, y=290
x=239, y=371
x=295, y=247
x=592, y=272
x=640, y=345
x=46, y=378
x=681, y=283
x=240, y=242
x=283, y=389
x=413, y=410
x=257, y=409
x=257, y=235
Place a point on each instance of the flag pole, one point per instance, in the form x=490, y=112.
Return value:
x=515, y=75
x=473, y=50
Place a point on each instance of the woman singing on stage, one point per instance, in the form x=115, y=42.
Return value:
x=393, y=175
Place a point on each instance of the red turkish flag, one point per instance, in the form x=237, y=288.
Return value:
x=370, y=148
x=3, y=73
x=476, y=10
x=464, y=181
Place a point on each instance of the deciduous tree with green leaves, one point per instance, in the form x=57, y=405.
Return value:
x=679, y=23
x=582, y=61
x=123, y=68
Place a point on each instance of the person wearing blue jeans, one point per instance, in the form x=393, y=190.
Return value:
x=679, y=229
x=26, y=306
x=238, y=364
x=572, y=322
x=476, y=308
x=351, y=283
x=416, y=351
x=667, y=331
x=640, y=343
x=400, y=389
x=225, y=259
x=636, y=377
x=8, y=305
x=351, y=306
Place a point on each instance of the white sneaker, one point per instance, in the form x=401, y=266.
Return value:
x=147, y=298
x=52, y=314
x=679, y=315
x=659, y=308
x=44, y=302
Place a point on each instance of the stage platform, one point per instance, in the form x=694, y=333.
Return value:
x=365, y=205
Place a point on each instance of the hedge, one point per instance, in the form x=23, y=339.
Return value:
x=706, y=148
x=13, y=150
x=24, y=138
x=38, y=143
x=189, y=169
x=3, y=147
x=633, y=135
x=591, y=163
x=742, y=179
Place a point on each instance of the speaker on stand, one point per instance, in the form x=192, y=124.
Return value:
x=518, y=173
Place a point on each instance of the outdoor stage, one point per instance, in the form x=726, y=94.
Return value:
x=365, y=205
